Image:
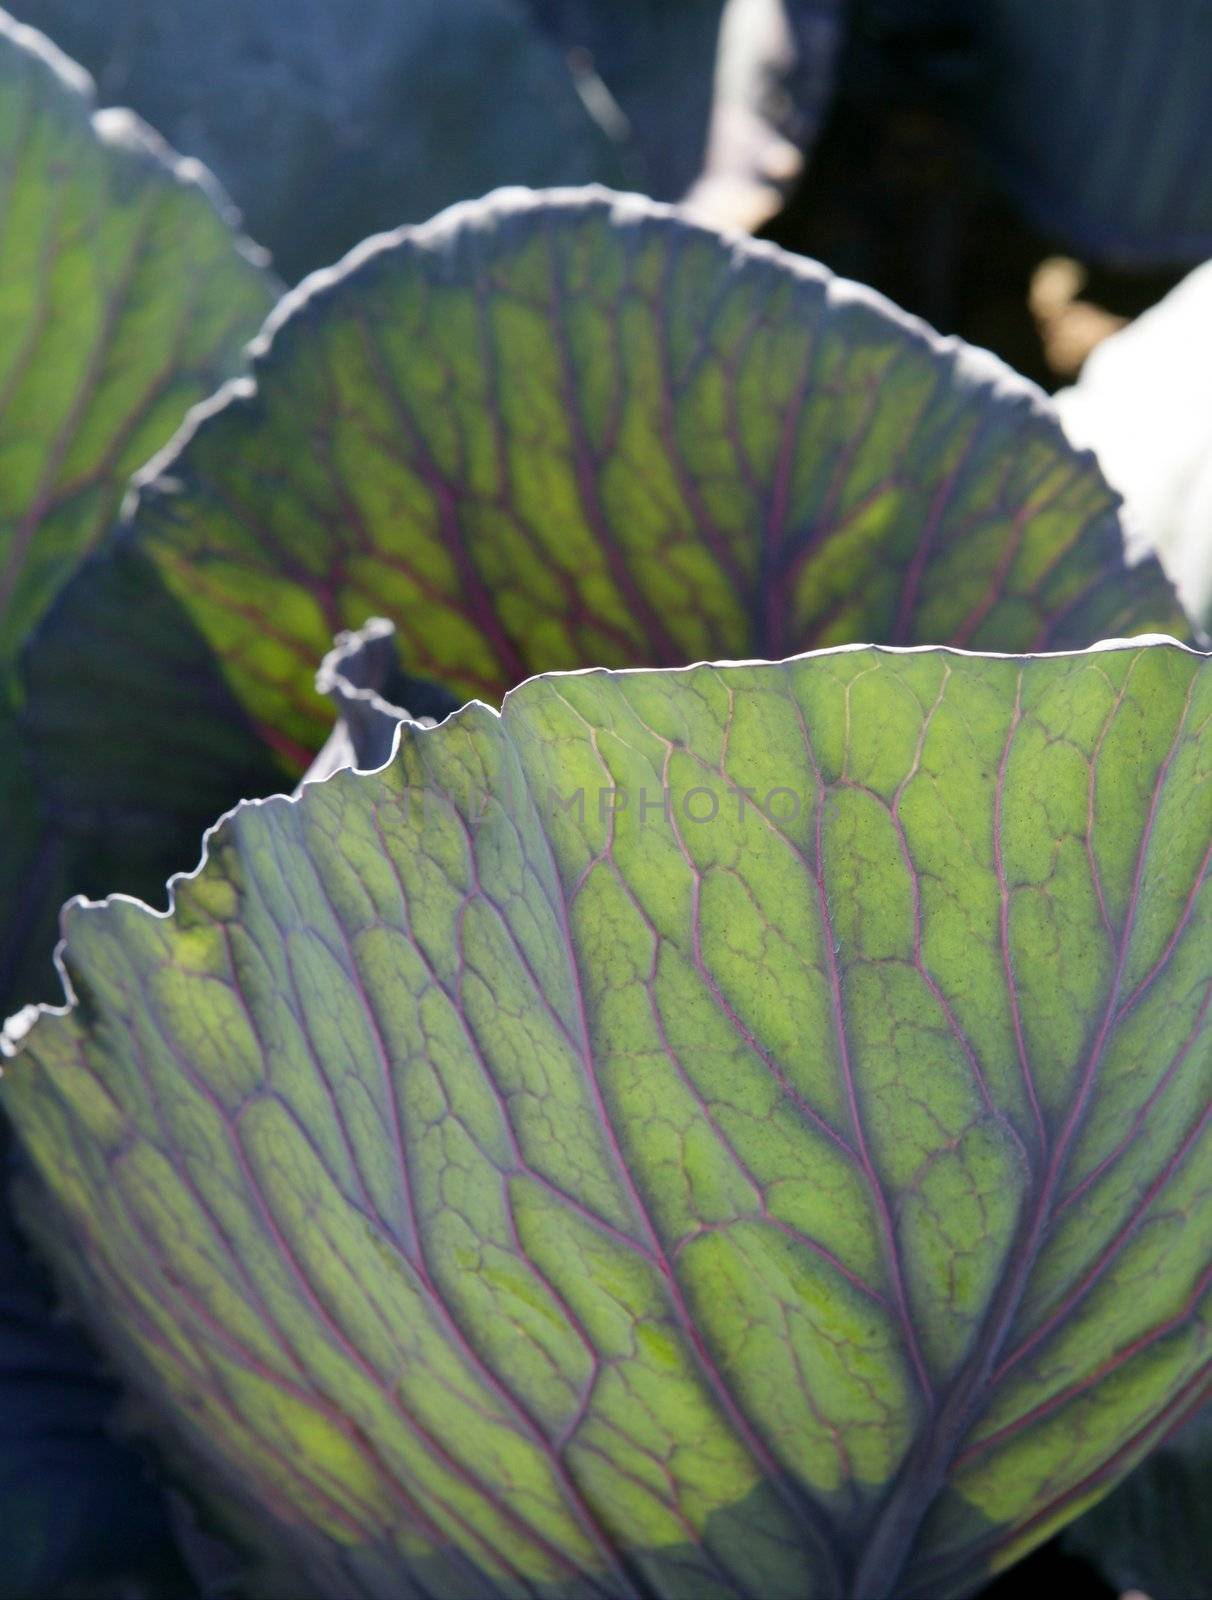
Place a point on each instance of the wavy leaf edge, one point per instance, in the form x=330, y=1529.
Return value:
x=514, y=202
x=331, y=678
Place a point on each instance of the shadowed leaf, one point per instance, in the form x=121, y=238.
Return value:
x=657, y=60
x=1100, y=118
x=1096, y=113
x=719, y=97
x=741, y=1131
x=1152, y=1534
x=328, y=122
x=77, y=1510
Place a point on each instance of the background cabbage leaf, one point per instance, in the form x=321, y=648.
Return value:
x=329, y=121
x=1070, y=105
x=1095, y=114
x=546, y=432
x=732, y=1131
x=774, y=80
x=1152, y=1534
x=720, y=97
x=1143, y=403
x=124, y=298
x=657, y=60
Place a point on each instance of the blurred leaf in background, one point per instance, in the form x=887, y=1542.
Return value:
x=968, y=141
x=1098, y=116
x=329, y=121
x=1095, y=114
x=774, y=80
x=1155, y=1532
x=656, y=59
x=721, y=97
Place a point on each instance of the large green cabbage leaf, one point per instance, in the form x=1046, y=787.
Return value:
x=736, y=1131
x=545, y=432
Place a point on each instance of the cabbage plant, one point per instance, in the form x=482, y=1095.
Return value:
x=734, y=1129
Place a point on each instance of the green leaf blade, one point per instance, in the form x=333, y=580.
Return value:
x=632, y=1135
